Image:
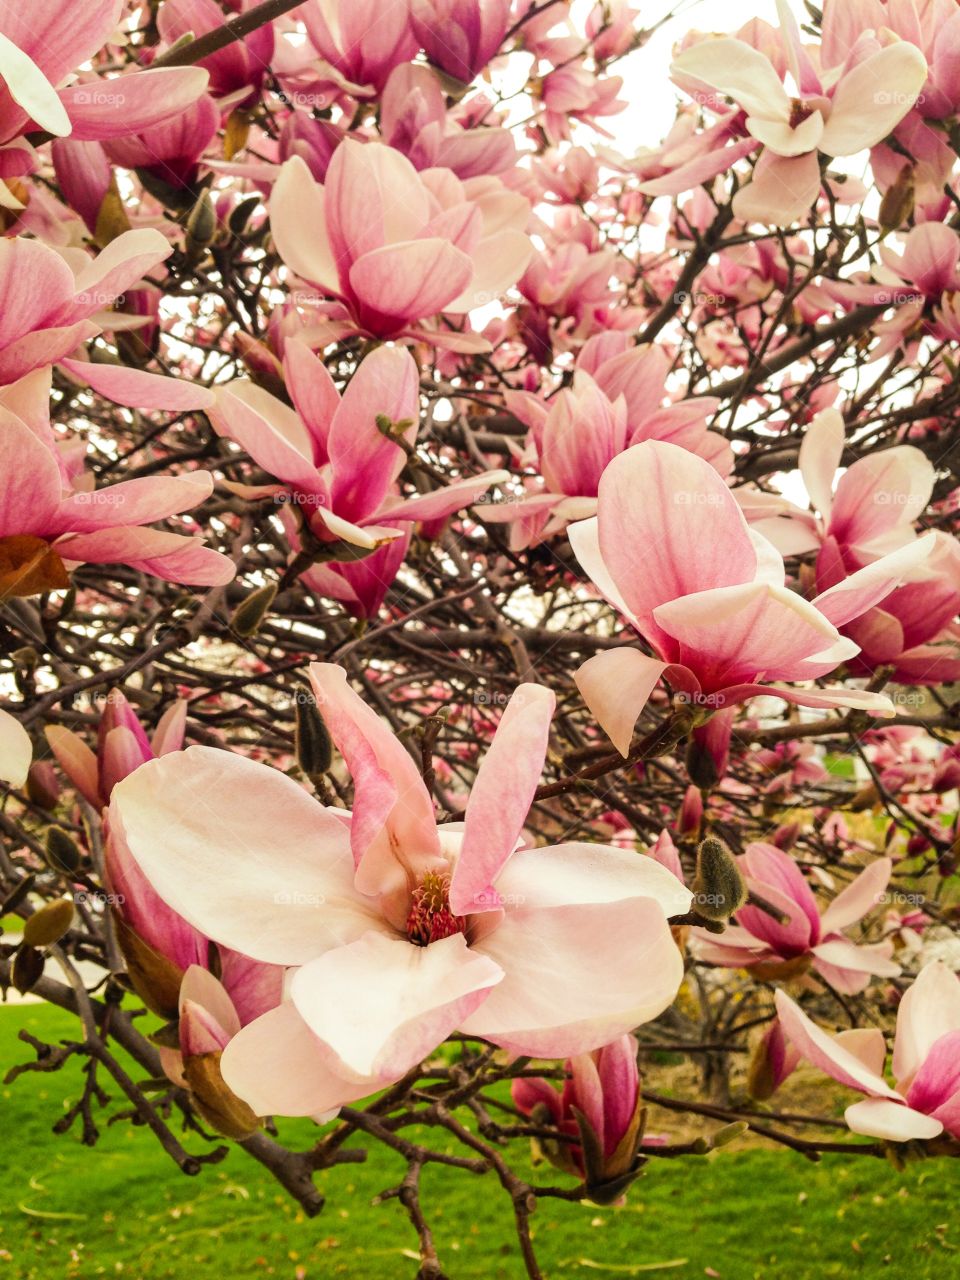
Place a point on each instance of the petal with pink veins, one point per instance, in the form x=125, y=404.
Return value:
x=501, y=796
x=616, y=685
x=242, y=853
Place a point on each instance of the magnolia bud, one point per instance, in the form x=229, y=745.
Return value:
x=250, y=613
x=49, y=924
x=236, y=133
x=62, y=852
x=718, y=887
x=42, y=785
x=314, y=747
x=27, y=969
x=201, y=224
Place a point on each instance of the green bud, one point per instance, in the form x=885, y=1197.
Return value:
x=49, y=924
x=718, y=887
x=249, y=614
x=729, y=1133
x=313, y=743
x=201, y=223
x=62, y=852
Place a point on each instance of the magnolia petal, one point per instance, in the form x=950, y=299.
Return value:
x=382, y=1004
x=616, y=685
x=501, y=796
x=929, y=1009
x=276, y=1066
x=16, y=750
x=824, y=1051
x=860, y=896
x=891, y=1121
x=242, y=853
x=577, y=976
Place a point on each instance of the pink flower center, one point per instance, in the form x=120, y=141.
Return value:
x=430, y=917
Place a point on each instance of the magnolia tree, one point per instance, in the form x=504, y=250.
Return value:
x=478, y=598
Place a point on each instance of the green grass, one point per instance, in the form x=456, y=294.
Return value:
x=124, y=1210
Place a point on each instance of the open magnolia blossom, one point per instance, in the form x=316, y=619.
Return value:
x=57, y=520
x=399, y=931
x=838, y=110
x=707, y=593
x=41, y=45
x=804, y=937
x=339, y=458
x=396, y=247
x=925, y=1101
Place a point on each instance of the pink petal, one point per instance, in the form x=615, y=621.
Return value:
x=501, y=796
x=820, y=452
x=170, y=556
x=411, y=280
x=77, y=761
x=872, y=98
x=782, y=189
x=869, y=586
x=860, y=896
x=823, y=1051
x=675, y=505
x=615, y=685
x=269, y=431
x=123, y=105
x=140, y=390
x=366, y=463
x=30, y=483
x=274, y=1064
x=299, y=227
x=890, y=1120
x=929, y=1009
x=394, y=830
x=880, y=492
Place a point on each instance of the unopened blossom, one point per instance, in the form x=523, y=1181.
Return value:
x=925, y=1099
x=460, y=36
x=599, y=1105
x=122, y=746
x=364, y=39
x=399, y=931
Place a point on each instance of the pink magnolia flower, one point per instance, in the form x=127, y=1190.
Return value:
x=708, y=595
x=926, y=1061
x=613, y=27
x=40, y=45
x=54, y=302
x=868, y=512
x=16, y=750
x=922, y=283
x=414, y=120
x=122, y=746
x=364, y=40
x=338, y=467
x=780, y=948
x=51, y=517
x=573, y=92
x=600, y=1105
x=839, y=111
x=397, y=247
x=460, y=36
x=240, y=65
x=400, y=932
x=169, y=151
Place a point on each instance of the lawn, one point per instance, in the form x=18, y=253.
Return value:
x=123, y=1209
